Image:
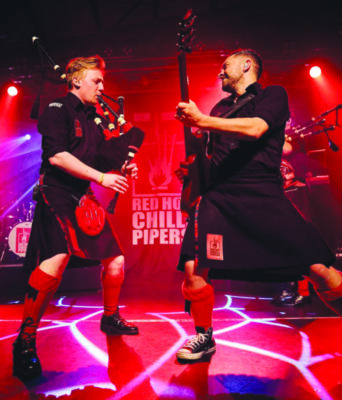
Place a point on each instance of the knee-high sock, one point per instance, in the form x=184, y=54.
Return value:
x=42, y=287
x=202, y=304
x=111, y=286
x=303, y=288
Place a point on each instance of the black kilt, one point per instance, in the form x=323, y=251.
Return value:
x=263, y=235
x=55, y=230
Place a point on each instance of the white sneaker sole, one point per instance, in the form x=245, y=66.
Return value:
x=184, y=355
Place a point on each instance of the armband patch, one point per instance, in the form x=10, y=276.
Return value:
x=59, y=105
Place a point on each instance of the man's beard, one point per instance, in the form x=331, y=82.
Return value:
x=227, y=88
x=230, y=85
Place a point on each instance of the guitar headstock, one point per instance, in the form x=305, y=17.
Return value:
x=187, y=32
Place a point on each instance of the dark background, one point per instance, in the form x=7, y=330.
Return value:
x=130, y=32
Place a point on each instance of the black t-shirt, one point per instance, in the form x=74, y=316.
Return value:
x=241, y=158
x=68, y=125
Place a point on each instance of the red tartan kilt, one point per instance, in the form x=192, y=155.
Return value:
x=55, y=231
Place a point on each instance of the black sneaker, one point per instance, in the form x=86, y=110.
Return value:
x=199, y=346
x=114, y=324
x=26, y=364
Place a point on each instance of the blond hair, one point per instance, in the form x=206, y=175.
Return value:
x=77, y=66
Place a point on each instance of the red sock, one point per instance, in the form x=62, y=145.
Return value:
x=111, y=286
x=303, y=288
x=42, y=287
x=202, y=304
x=332, y=298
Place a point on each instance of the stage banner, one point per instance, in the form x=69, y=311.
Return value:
x=147, y=219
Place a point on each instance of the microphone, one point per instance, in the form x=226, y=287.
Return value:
x=56, y=67
x=133, y=148
x=333, y=146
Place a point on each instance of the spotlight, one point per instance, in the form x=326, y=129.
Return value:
x=315, y=72
x=12, y=91
x=27, y=136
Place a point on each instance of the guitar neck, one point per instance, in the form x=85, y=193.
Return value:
x=189, y=139
x=183, y=77
x=194, y=182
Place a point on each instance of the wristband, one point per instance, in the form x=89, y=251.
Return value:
x=101, y=179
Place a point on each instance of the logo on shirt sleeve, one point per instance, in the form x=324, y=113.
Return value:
x=78, y=128
x=59, y=105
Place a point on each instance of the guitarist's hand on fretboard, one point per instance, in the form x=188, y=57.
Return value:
x=189, y=114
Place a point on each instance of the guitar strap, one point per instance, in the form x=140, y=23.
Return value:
x=236, y=106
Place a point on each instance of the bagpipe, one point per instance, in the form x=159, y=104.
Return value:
x=122, y=139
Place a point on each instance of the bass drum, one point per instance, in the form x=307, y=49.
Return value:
x=18, y=238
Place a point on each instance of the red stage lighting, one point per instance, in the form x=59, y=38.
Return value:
x=12, y=91
x=315, y=71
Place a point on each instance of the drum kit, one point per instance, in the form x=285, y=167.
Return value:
x=15, y=229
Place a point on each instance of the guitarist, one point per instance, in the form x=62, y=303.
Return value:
x=244, y=227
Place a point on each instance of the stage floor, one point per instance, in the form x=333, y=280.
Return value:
x=263, y=352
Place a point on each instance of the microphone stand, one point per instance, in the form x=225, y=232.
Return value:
x=339, y=106
x=56, y=67
x=42, y=52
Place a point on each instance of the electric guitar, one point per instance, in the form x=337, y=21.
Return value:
x=196, y=162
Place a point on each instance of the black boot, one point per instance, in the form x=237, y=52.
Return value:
x=296, y=300
x=114, y=324
x=26, y=364
x=288, y=292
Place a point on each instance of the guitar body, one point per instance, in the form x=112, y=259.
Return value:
x=197, y=167
x=196, y=163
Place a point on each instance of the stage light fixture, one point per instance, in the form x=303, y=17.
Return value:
x=27, y=136
x=315, y=71
x=12, y=91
